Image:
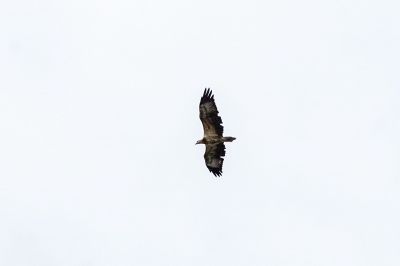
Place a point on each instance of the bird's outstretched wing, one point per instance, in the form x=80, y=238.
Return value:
x=212, y=123
x=213, y=158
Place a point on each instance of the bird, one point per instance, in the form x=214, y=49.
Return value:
x=213, y=133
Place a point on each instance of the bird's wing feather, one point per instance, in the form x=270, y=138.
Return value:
x=212, y=122
x=213, y=158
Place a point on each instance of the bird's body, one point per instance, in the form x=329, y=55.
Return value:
x=215, y=140
x=213, y=133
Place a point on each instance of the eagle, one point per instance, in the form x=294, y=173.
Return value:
x=213, y=133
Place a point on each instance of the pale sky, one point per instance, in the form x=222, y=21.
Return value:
x=99, y=117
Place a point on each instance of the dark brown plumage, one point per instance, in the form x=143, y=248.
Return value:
x=213, y=133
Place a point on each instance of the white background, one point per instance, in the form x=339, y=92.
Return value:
x=99, y=116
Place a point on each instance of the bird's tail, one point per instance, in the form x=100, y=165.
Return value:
x=228, y=139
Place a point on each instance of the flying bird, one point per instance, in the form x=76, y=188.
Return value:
x=213, y=133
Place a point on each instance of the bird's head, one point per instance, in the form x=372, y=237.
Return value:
x=199, y=142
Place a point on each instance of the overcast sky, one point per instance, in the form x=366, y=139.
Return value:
x=99, y=117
